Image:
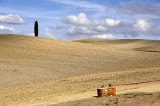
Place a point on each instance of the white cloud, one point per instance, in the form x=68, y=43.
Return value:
x=81, y=19
x=70, y=19
x=111, y=22
x=142, y=25
x=6, y=30
x=82, y=26
x=11, y=19
x=101, y=28
x=70, y=30
x=98, y=28
x=104, y=36
x=79, y=30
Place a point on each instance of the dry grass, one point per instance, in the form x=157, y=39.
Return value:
x=32, y=67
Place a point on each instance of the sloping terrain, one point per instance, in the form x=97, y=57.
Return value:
x=128, y=99
x=131, y=44
x=36, y=67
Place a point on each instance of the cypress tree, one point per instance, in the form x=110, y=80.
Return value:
x=36, y=28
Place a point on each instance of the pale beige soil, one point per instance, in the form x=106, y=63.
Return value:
x=128, y=99
x=37, y=71
x=90, y=98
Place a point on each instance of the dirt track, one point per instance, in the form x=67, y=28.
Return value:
x=90, y=97
x=47, y=70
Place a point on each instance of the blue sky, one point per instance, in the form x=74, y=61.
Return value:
x=77, y=19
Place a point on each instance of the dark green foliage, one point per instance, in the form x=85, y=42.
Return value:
x=36, y=28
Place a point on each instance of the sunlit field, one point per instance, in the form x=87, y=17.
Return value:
x=34, y=68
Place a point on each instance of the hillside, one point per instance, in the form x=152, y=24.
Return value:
x=54, y=67
x=131, y=44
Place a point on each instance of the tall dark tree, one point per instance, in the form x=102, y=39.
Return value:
x=36, y=28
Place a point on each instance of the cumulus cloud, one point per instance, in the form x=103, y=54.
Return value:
x=96, y=28
x=6, y=30
x=71, y=30
x=139, y=7
x=146, y=24
x=80, y=30
x=82, y=26
x=101, y=28
x=108, y=27
x=111, y=22
x=81, y=19
x=104, y=36
x=142, y=25
x=11, y=19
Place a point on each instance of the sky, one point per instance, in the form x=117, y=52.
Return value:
x=79, y=19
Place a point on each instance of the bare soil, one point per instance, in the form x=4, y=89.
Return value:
x=128, y=99
x=42, y=71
